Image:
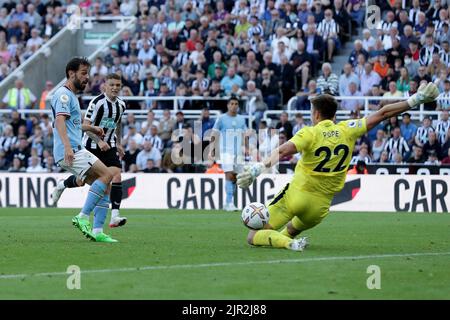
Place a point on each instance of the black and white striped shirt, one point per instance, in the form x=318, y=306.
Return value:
x=422, y=134
x=255, y=30
x=203, y=85
x=441, y=130
x=426, y=54
x=386, y=26
x=443, y=100
x=155, y=140
x=182, y=58
x=414, y=15
x=105, y=114
x=325, y=28
x=6, y=143
x=394, y=146
x=445, y=57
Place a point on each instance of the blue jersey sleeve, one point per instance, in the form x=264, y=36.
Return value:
x=218, y=123
x=61, y=104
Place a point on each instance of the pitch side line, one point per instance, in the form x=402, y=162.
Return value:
x=227, y=264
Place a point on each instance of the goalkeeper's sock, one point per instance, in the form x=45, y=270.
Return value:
x=271, y=238
x=229, y=188
x=285, y=232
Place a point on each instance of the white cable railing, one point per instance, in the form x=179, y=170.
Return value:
x=248, y=108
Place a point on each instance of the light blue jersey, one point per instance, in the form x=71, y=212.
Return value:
x=232, y=131
x=65, y=102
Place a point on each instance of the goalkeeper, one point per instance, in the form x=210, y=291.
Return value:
x=326, y=151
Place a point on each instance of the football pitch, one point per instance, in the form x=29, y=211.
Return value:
x=169, y=254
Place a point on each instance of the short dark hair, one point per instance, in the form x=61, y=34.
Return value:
x=233, y=98
x=75, y=63
x=326, y=105
x=114, y=76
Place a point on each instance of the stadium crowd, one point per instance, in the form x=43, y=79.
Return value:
x=270, y=50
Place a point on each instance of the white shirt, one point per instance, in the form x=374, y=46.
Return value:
x=38, y=168
x=143, y=156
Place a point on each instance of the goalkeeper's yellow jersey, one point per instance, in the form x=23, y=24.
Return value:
x=326, y=153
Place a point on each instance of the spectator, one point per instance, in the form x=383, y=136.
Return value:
x=17, y=165
x=150, y=167
x=359, y=168
x=148, y=152
x=422, y=132
x=417, y=156
x=35, y=165
x=352, y=105
x=270, y=90
x=408, y=129
x=284, y=125
x=328, y=29
x=19, y=97
x=166, y=125
x=381, y=66
x=130, y=156
x=148, y=123
x=301, y=61
x=446, y=160
x=397, y=145
x=443, y=127
x=393, y=92
x=432, y=146
x=353, y=59
x=134, y=135
x=230, y=79
x=362, y=156
x=403, y=81
x=303, y=101
x=369, y=79
x=378, y=145
x=328, y=81
x=346, y=78
x=427, y=51
x=153, y=137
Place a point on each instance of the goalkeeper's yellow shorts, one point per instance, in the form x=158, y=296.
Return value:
x=304, y=209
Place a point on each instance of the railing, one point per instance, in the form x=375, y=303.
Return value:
x=248, y=108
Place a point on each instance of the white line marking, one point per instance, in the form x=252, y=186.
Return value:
x=228, y=264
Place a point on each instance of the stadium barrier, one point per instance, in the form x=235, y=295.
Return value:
x=248, y=108
x=399, y=193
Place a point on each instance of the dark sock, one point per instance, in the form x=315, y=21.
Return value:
x=116, y=195
x=71, y=182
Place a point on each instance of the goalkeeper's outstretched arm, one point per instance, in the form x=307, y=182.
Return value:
x=425, y=93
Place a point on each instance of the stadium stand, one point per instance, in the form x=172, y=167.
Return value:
x=273, y=53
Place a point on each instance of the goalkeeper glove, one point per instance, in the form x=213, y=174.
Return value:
x=426, y=93
x=251, y=172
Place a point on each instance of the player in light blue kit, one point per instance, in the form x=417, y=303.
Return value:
x=72, y=157
x=231, y=127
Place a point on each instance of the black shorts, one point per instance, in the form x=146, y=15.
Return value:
x=110, y=157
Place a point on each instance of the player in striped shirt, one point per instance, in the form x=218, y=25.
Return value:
x=104, y=111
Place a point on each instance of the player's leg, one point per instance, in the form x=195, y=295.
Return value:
x=116, y=199
x=98, y=176
x=279, y=216
x=230, y=187
x=309, y=217
x=100, y=213
x=70, y=182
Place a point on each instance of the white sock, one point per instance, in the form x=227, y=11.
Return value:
x=82, y=215
x=114, y=213
x=61, y=184
x=97, y=230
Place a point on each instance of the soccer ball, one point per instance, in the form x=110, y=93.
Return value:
x=255, y=216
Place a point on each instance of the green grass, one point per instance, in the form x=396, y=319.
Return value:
x=34, y=241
